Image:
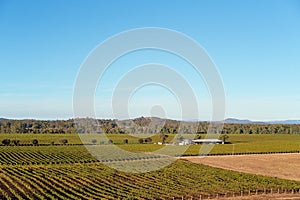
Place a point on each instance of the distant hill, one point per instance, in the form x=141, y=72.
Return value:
x=285, y=122
x=246, y=121
x=241, y=121
x=146, y=120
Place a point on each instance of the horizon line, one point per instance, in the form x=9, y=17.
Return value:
x=175, y=119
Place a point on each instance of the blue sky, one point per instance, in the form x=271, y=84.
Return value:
x=254, y=44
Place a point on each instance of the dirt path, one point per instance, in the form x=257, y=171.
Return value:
x=286, y=166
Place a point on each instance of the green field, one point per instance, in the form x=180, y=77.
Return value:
x=238, y=143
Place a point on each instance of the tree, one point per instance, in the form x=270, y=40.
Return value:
x=163, y=138
x=148, y=140
x=198, y=136
x=35, y=142
x=141, y=141
x=6, y=142
x=63, y=141
x=15, y=142
x=224, y=138
x=94, y=141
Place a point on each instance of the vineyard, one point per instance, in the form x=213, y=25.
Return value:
x=150, y=100
x=74, y=152
x=96, y=181
x=25, y=155
x=52, y=170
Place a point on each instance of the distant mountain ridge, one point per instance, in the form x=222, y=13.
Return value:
x=246, y=121
x=242, y=121
x=285, y=122
x=228, y=120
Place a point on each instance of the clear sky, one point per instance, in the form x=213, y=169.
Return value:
x=254, y=44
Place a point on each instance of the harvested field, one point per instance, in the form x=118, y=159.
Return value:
x=284, y=166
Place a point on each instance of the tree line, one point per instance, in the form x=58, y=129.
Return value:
x=138, y=125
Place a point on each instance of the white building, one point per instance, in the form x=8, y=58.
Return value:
x=207, y=141
x=185, y=142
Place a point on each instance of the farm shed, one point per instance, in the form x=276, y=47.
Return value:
x=207, y=141
x=185, y=142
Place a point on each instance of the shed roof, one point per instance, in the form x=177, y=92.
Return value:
x=207, y=140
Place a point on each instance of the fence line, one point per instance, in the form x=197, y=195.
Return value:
x=242, y=193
